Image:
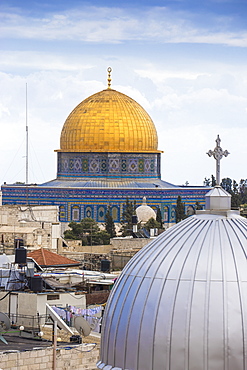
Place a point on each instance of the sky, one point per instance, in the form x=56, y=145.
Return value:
x=184, y=61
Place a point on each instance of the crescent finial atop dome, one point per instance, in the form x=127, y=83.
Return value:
x=109, y=69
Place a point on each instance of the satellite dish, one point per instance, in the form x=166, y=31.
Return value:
x=82, y=326
x=4, y=325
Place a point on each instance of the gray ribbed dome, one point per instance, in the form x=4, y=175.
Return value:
x=181, y=302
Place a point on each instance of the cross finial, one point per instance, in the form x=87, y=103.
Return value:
x=109, y=77
x=218, y=154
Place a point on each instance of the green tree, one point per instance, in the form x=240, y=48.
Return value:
x=101, y=238
x=209, y=182
x=75, y=231
x=226, y=184
x=180, y=210
x=159, y=218
x=232, y=188
x=243, y=191
x=152, y=224
x=109, y=223
x=89, y=224
x=213, y=181
x=88, y=231
x=198, y=206
x=237, y=191
x=235, y=201
x=126, y=220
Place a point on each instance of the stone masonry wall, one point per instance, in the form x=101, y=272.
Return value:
x=76, y=246
x=80, y=357
x=129, y=243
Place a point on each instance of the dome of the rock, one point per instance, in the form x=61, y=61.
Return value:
x=108, y=153
x=109, y=121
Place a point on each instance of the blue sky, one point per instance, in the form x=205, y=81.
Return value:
x=183, y=61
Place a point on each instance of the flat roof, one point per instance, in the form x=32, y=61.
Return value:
x=18, y=343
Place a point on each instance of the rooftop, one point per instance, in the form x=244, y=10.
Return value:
x=46, y=258
x=17, y=343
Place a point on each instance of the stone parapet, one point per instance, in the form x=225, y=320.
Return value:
x=129, y=243
x=80, y=357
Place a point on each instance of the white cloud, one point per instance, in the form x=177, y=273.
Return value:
x=161, y=75
x=40, y=60
x=114, y=25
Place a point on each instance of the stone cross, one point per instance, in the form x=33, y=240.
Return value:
x=218, y=154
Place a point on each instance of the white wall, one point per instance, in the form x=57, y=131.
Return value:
x=78, y=300
x=33, y=303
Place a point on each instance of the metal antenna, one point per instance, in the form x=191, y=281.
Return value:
x=218, y=154
x=26, y=140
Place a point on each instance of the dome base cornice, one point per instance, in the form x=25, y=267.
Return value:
x=106, y=151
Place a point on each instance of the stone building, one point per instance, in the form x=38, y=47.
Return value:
x=32, y=226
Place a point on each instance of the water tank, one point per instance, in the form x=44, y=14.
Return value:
x=20, y=255
x=18, y=242
x=134, y=220
x=36, y=284
x=105, y=265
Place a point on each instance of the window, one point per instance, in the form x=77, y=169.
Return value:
x=52, y=297
x=89, y=212
x=165, y=214
x=101, y=214
x=75, y=213
x=115, y=213
x=62, y=213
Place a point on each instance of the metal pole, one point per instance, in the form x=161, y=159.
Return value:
x=26, y=140
x=54, y=365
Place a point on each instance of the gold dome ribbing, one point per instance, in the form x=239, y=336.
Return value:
x=109, y=121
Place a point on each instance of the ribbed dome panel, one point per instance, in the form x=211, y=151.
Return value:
x=181, y=302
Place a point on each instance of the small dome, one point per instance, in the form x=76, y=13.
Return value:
x=109, y=121
x=181, y=301
x=144, y=212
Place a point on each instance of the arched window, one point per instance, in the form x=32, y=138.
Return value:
x=89, y=212
x=62, y=213
x=165, y=214
x=115, y=213
x=101, y=214
x=173, y=215
x=75, y=213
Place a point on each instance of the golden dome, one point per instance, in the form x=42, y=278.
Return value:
x=109, y=121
